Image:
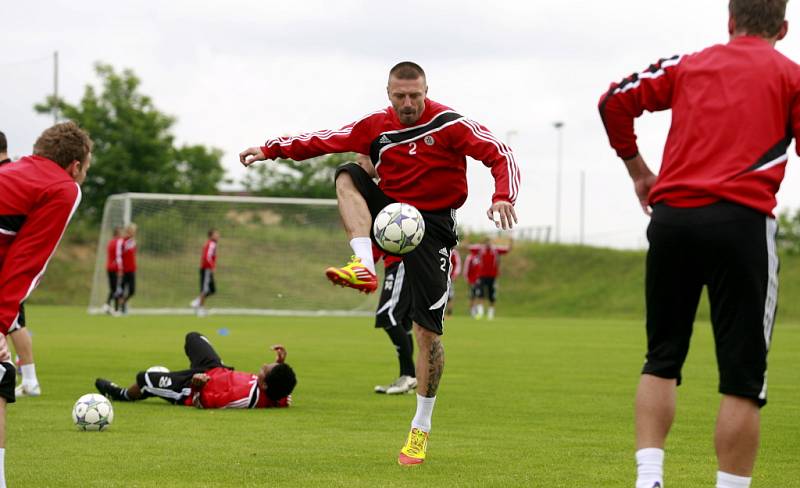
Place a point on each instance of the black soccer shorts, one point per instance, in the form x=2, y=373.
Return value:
x=8, y=380
x=20, y=322
x=207, y=285
x=428, y=266
x=731, y=250
x=487, y=288
x=128, y=284
x=395, y=301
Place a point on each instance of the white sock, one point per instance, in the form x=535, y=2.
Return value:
x=479, y=311
x=726, y=480
x=2, y=467
x=491, y=313
x=29, y=374
x=649, y=467
x=362, y=247
x=422, y=419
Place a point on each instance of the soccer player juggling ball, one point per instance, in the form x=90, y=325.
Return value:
x=735, y=109
x=40, y=194
x=418, y=149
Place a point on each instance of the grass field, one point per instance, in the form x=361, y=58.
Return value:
x=523, y=402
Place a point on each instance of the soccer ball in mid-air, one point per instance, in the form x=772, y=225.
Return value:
x=398, y=228
x=92, y=412
x=157, y=369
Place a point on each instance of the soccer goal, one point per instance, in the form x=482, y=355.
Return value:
x=272, y=254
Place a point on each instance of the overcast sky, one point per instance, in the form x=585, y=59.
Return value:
x=237, y=72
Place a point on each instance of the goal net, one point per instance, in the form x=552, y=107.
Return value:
x=271, y=256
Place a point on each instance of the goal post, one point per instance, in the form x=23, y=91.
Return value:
x=272, y=254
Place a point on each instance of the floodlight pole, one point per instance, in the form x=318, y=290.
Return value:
x=559, y=156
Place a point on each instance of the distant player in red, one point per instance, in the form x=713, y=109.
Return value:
x=489, y=256
x=38, y=196
x=455, y=270
x=114, y=270
x=735, y=108
x=208, y=263
x=472, y=269
x=128, y=267
x=209, y=383
x=418, y=150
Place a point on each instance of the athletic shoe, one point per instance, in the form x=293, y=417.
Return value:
x=195, y=303
x=24, y=390
x=403, y=384
x=106, y=308
x=414, y=451
x=353, y=275
x=109, y=389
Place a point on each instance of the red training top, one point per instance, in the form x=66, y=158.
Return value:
x=489, y=256
x=129, y=255
x=234, y=389
x=209, y=258
x=423, y=165
x=472, y=265
x=38, y=200
x=735, y=108
x=114, y=255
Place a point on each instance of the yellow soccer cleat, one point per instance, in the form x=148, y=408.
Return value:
x=413, y=452
x=353, y=275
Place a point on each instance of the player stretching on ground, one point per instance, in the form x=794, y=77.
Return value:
x=39, y=196
x=418, y=149
x=208, y=263
x=128, y=267
x=209, y=383
x=20, y=337
x=735, y=109
x=489, y=257
x=393, y=315
x=114, y=271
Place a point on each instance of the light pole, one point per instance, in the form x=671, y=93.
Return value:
x=558, y=126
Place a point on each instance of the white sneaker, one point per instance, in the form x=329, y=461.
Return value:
x=24, y=390
x=195, y=303
x=106, y=308
x=403, y=384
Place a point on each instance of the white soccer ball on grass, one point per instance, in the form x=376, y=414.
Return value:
x=92, y=412
x=398, y=228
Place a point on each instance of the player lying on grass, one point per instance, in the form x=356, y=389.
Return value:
x=209, y=383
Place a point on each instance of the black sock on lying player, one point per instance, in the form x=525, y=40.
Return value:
x=112, y=390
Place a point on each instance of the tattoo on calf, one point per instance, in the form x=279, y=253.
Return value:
x=435, y=367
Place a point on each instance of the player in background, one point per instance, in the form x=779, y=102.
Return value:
x=455, y=270
x=128, y=267
x=208, y=263
x=209, y=383
x=393, y=316
x=114, y=271
x=21, y=337
x=489, y=256
x=40, y=193
x=472, y=268
x=735, y=109
x=418, y=151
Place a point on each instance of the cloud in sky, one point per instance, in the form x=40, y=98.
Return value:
x=237, y=72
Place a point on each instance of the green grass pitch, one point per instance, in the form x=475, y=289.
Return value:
x=523, y=402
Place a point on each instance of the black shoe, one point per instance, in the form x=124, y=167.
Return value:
x=110, y=390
